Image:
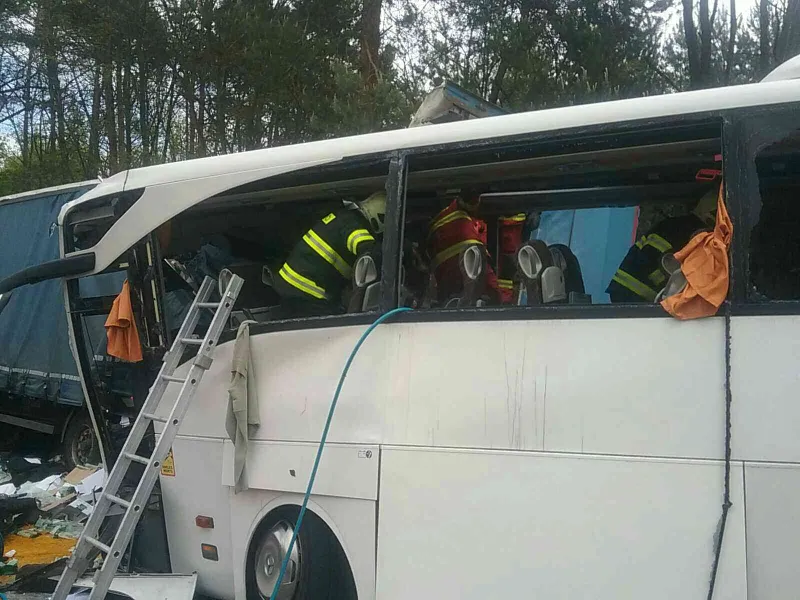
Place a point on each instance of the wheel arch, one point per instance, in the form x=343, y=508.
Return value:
x=295, y=501
x=64, y=425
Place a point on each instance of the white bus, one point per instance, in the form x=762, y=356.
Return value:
x=562, y=450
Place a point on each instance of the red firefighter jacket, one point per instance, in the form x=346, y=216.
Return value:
x=450, y=232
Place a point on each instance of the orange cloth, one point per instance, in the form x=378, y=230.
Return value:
x=123, y=338
x=704, y=262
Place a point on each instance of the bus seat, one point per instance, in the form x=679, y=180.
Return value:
x=254, y=293
x=677, y=280
x=267, y=278
x=366, y=285
x=533, y=257
x=565, y=259
x=550, y=275
x=472, y=264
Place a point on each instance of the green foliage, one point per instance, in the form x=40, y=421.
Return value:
x=91, y=87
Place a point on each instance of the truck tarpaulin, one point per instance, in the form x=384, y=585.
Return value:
x=35, y=357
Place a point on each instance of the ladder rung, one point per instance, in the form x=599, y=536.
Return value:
x=117, y=500
x=192, y=341
x=173, y=379
x=155, y=418
x=98, y=544
x=137, y=458
x=208, y=304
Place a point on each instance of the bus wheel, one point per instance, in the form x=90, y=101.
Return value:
x=317, y=568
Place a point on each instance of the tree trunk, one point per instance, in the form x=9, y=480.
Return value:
x=27, y=109
x=764, y=44
x=705, y=45
x=121, y=101
x=127, y=92
x=692, y=43
x=201, y=121
x=170, y=111
x=497, y=82
x=144, y=110
x=93, y=160
x=788, y=43
x=731, y=44
x=111, y=128
x=370, y=41
x=221, y=122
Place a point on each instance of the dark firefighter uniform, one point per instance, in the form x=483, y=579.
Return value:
x=320, y=265
x=452, y=231
x=640, y=276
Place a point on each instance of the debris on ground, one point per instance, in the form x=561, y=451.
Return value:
x=5, y=476
x=43, y=510
x=60, y=528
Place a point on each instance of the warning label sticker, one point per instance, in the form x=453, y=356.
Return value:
x=168, y=466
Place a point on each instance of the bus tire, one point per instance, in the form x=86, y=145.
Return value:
x=80, y=446
x=319, y=569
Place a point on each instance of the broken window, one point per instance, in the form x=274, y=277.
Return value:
x=773, y=189
x=294, y=239
x=552, y=222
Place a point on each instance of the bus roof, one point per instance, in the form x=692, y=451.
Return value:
x=172, y=188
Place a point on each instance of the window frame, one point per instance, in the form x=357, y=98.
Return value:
x=396, y=186
x=741, y=141
x=575, y=137
x=391, y=247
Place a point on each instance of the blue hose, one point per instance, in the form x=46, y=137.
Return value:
x=302, y=513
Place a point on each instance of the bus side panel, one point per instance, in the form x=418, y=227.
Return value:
x=643, y=387
x=196, y=490
x=765, y=381
x=773, y=530
x=485, y=524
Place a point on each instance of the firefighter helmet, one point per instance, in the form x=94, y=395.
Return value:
x=374, y=210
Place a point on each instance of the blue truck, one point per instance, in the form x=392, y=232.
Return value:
x=40, y=389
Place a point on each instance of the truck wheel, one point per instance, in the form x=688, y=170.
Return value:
x=80, y=446
x=317, y=570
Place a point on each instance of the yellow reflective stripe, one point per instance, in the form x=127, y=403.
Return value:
x=628, y=281
x=303, y=284
x=454, y=250
x=658, y=242
x=657, y=277
x=329, y=218
x=505, y=284
x=449, y=218
x=321, y=247
x=516, y=218
x=358, y=236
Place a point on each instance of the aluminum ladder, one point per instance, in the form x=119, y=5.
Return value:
x=89, y=540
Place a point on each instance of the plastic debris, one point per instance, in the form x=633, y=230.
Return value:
x=60, y=528
x=10, y=554
x=8, y=568
x=29, y=532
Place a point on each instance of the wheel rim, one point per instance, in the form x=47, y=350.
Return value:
x=84, y=447
x=272, y=548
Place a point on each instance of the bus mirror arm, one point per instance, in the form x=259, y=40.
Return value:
x=70, y=266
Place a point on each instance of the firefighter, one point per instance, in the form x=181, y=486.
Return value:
x=451, y=231
x=320, y=265
x=641, y=275
x=510, y=235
